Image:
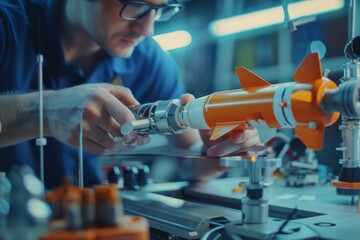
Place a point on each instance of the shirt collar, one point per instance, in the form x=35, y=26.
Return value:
x=123, y=65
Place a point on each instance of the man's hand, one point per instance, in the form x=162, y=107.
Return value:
x=233, y=142
x=102, y=108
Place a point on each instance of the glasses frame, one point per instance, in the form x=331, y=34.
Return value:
x=124, y=3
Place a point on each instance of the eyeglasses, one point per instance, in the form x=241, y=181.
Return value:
x=134, y=10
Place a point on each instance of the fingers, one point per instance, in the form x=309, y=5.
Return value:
x=97, y=123
x=118, y=110
x=123, y=94
x=108, y=123
x=113, y=144
x=120, y=114
x=114, y=108
x=121, y=144
x=240, y=140
x=93, y=147
x=185, y=98
x=143, y=139
x=247, y=137
x=102, y=108
x=223, y=148
x=104, y=114
x=97, y=135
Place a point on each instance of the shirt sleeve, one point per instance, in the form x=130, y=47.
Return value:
x=13, y=28
x=3, y=33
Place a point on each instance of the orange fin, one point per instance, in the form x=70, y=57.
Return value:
x=312, y=138
x=250, y=80
x=302, y=96
x=309, y=70
x=224, y=128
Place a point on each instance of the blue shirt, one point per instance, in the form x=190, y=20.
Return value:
x=150, y=73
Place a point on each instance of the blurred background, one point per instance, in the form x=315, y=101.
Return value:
x=270, y=37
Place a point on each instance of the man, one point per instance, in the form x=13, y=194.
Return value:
x=87, y=45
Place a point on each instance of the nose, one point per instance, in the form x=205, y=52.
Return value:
x=145, y=25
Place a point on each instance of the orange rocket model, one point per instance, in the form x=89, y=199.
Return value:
x=308, y=104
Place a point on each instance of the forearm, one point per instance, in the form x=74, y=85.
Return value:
x=19, y=115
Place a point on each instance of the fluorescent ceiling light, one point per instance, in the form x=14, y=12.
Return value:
x=173, y=40
x=272, y=16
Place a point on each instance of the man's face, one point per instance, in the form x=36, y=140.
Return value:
x=116, y=36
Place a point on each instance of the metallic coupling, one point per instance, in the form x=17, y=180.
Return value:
x=155, y=118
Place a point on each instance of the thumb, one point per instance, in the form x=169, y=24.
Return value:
x=123, y=94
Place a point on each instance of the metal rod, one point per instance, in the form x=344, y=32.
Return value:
x=41, y=141
x=352, y=19
x=80, y=155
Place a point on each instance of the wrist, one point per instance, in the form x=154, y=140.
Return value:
x=47, y=112
x=19, y=117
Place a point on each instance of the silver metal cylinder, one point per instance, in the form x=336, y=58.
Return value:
x=254, y=173
x=351, y=71
x=350, y=126
x=129, y=127
x=255, y=210
x=350, y=130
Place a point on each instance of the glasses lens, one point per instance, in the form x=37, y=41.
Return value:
x=167, y=12
x=134, y=11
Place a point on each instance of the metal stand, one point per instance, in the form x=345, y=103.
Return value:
x=41, y=141
x=255, y=206
x=349, y=178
